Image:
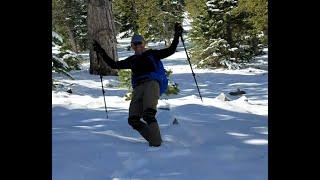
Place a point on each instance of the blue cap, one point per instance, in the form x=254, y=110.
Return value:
x=137, y=38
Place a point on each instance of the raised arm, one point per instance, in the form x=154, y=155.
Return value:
x=124, y=64
x=164, y=53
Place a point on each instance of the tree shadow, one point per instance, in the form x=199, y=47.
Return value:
x=222, y=121
x=83, y=139
x=175, y=61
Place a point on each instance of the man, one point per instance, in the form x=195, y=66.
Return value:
x=146, y=87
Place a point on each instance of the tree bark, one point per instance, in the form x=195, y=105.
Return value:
x=102, y=29
x=72, y=40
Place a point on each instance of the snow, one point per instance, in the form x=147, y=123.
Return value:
x=210, y=5
x=71, y=55
x=56, y=35
x=260, y=62
x=233, y=49
x=216, y=139
x=244, y=46
x=61, y=61
x=215, y=10
x=214, y=54
x=186, y=22
x=56, y=49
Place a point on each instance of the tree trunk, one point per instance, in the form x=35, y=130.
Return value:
x=68, y=8
x=72, y=40
x=229, y=34
x=102, y=29
x=133, y=9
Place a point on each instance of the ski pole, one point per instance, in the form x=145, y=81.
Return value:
x=194, y=77
x=103, y=92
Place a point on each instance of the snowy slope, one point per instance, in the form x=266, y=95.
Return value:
x=216, y=139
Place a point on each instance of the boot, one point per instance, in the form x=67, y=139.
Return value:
x=145, y=133
x=155, y=136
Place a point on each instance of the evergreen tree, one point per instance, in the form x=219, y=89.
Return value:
x=126, y=17
x=69, y=20
x=63, y=59
x=153, y=19
x=222, y=33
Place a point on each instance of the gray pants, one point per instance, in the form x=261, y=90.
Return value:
x=145, y=96
x=144, y=105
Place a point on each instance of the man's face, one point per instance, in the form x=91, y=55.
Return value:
x=138, y=47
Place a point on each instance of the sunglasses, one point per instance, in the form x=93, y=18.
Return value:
x=137, y=43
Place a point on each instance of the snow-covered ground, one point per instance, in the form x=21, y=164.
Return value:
x=216, y=139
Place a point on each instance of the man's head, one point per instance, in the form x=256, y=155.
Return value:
x=138, y=44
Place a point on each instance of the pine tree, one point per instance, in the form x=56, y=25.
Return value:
x=222, y=34
x=257, y=15
x=211, y=33
x=63, y=59
x=153, y=19
x=69, y=20
x=126, y=16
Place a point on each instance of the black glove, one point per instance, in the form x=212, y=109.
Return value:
x=178, y=29
x=97, y=47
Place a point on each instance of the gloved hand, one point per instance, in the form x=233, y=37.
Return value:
x=97, y=47
x=178, y=29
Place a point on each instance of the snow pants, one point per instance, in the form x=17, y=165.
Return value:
x=143, y=104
